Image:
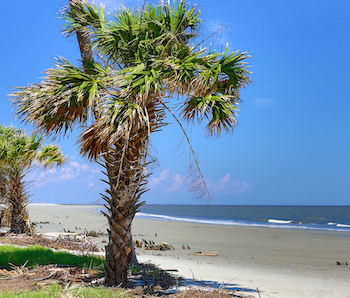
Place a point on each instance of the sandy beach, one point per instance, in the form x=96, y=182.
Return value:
x=277, y=262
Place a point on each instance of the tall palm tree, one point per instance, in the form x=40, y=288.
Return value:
x=21, y=153
x=143, y=59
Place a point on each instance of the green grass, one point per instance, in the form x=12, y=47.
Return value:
x=55, y=291
x=38, y=255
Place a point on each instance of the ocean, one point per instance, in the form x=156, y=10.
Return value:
x=327, y=218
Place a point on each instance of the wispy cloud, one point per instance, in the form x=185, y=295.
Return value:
x=226, y=184
x=72, y=170
x=240, y=186
x=220, y=30
x=263, y=102
x=93, y=185
x=115, y=4
x=154, y=181
x=177, y=181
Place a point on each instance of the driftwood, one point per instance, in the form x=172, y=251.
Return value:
x=150, y=245
x=207, y=254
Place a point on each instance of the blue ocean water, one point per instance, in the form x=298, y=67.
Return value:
x=330, y=218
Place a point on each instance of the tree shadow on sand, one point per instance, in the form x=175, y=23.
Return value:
x=208, y=286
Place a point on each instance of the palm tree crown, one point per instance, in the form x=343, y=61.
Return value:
x=146, y=57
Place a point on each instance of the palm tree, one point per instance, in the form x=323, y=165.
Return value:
x=19, y=154
x=143, y=59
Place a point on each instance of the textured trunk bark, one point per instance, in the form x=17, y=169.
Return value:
x=83, y=41
x=118, y=250
x=19, y=219
x=122, y=198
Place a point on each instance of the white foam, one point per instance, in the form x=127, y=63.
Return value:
x=343, y=226
x=279, y=221
x=331, y=224
x=213, y=221
x=271, y=223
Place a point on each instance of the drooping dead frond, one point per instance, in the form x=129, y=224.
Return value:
x=121, y=120
x=197, y=182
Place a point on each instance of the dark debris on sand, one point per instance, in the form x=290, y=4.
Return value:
x=70, y=243
x=146, y=282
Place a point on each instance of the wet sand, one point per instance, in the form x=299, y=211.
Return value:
x=279, y=262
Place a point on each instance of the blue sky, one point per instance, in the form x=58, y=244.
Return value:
x=292, y=143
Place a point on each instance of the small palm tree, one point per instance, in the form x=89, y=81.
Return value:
x=131, y=68
x=19, y=154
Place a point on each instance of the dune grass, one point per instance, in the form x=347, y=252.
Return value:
x=38, y=255
x=55, y=291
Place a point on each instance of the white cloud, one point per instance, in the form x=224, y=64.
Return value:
x=225, y=180
x=154, y=181
x=79, y=167
x=176, y=183
x=52, y=171
x=115, y=4
x=72, y=170
x=263, y=102
x=95, y=171
x=223, y=183
x=220, y=29
x=227, y=185
x=90, y=184
x=241, y=186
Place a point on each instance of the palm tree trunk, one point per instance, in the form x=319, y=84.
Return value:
x=125, y=166
x=83, y=37
x=125, y=173
x=19, y=219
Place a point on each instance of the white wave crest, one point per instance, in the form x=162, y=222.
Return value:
x=343, y=226
x=279, y=221
x=271, y=223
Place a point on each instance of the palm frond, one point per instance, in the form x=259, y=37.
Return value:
x=219, y=111
x=80, y=15
x=51, y=156
x=65, y=96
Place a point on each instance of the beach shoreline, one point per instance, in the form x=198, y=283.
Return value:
x=279, y=262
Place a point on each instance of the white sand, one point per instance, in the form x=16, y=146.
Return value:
x=280, y=263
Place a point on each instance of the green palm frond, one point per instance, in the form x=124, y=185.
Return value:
x=135, y=34
x=219, y=112
x=118, y=40
x=22, y=151
x=51, y=156
x=80, y=16
x=66, y=95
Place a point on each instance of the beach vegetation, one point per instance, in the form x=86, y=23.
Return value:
x=36, y=255
x=21, y=153
x=56, y=291
x=135, y=67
